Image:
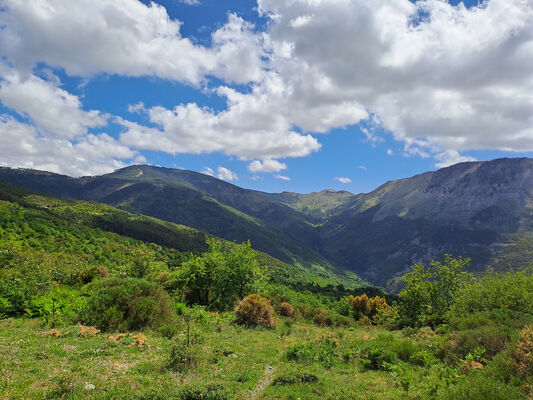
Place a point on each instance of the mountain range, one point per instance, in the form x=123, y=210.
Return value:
x=481, y=210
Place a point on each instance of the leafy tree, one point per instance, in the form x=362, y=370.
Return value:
x=429, y=292
x=220, y=276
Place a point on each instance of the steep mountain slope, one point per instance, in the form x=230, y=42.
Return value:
x=482, y=210
x=471, y=209
x=316, y=206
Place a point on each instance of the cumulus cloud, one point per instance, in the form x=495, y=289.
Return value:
x=49, y=106
x=390, y=152
x=459, y=78
x=226, y=174
x=251, y=127
x=125, y=37
x=267, y=165
x=362, y=167
x=22, y=146
x=283, y=177
x=190, y=2
x=343, y=179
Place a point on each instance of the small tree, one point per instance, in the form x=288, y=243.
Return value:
x=429, y=291
x=221, y=276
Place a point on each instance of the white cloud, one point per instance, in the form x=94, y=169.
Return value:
x=390, y=152
x=363, y=168
x=460, y=78
x=49, y=106
x=267, y=165
x=226, y=174
x=124, y=37
x=343, y=179
x=208, y=171
x=251, y=127
x=190, y=2
x=22, y=146
x=137, y=108
x=283, y=177
x=450, y=157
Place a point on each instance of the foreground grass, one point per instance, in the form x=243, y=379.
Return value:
x=236, y=360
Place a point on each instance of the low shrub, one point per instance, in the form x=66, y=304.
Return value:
x=523, y=352
x=292, y=378
x=480, y=386
x=322, y=350
x=322, y=318
x=377, y=357
x=59, y=306
x=286, y=310
x=92, y=273
x=168, y=330
x=126, y=304
x=195, y=391
x=255, y=310
x=182, y=356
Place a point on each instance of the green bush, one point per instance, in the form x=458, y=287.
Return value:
x=126, y=304
x=488, y=311
x=60, y=305
x=480, y=386
x=168, y=330
x=182, y=357
x=322, y=350
x=195, y=391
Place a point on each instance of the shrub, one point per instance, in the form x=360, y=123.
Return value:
x=293, y=378
x=322, y=318
x=376, y=357
x=373, y=308
x=195, y=391
x=182, y=356
x=126, y=304
x=60, y=305
x=286, y=310
x=360, y=305
x=322, y=350
x=523, y=353
x=168, y=330
x=479, y=386
x=92, y=273
x=255, y=310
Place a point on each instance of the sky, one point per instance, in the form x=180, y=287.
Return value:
x=273, y=95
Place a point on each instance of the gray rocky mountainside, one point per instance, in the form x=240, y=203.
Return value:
x=481, y=210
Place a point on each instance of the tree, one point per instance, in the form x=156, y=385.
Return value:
x=220, y=276
x=429, y=291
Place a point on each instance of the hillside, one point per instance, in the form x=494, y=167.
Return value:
x=95, y=234
x=481, y=210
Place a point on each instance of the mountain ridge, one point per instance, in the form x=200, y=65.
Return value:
x=462, y=209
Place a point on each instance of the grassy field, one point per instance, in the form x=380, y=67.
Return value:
x=232, y=362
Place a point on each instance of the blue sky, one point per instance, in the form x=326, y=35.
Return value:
x=268, y=95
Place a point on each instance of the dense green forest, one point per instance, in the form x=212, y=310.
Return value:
x=100, y=303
